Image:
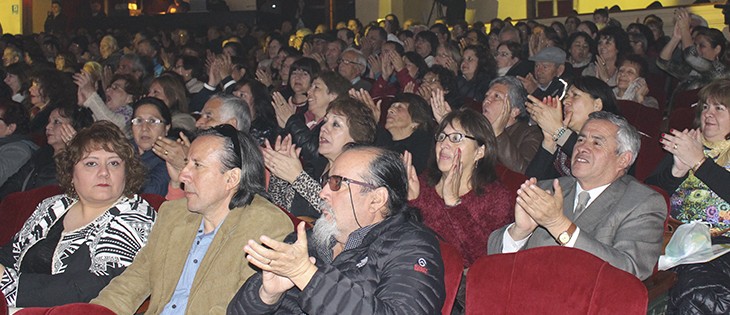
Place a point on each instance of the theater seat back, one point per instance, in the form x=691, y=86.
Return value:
x=551, y=280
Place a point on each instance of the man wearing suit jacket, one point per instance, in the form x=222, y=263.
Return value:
x=600, y=210
x=194, y=260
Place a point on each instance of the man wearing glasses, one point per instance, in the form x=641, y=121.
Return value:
x=367, y=254
x=352, y=65
x=193, y=262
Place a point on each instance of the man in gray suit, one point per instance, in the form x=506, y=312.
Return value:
x=600, y=210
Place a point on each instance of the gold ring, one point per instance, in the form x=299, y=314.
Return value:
x=675, y=146
x=166, y=152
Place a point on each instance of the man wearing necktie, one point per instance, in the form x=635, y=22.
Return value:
x=599, y=209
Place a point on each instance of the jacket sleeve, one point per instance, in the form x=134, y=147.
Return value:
x=125, y=293
x=662, y=176
x=157, y=180
x=13, y=156
x=541, y=166
x=402, y=288
x=101, y=112
x=637, y=241
x=517, y=156
x=308, y=188
x=715, y=177
x=303, y=137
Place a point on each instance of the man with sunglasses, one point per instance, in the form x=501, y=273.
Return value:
x=193, y=262
x=367, y=254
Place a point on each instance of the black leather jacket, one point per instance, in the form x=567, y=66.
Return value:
x=396, y=270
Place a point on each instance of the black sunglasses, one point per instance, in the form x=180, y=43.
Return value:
x=335, y=182
x=231, y=133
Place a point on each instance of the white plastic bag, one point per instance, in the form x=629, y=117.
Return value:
x=690, y=243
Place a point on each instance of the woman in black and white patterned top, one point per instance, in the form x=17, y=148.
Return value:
x=76, y=242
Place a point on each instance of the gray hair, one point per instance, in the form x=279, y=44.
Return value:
x=516, y=93
x=361, y=60
x=510, y=29
x=234, y=107
x=628, y=138
x=137, y=64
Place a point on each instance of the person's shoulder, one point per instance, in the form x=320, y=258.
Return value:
x=635, y=187
x=133, y=206
x=263, y=211
x=174, y=208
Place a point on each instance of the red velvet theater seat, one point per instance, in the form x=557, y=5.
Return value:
x=453, y=270
x=74, y=308
x=551, y=280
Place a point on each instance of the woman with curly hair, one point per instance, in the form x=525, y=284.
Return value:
x=76, y=242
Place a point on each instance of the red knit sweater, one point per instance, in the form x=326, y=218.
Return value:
x=467, y=226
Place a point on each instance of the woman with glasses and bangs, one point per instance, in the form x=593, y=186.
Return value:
x=151, y=121
x=459, y=195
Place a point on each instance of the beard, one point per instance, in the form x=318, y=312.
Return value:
x=325, y=229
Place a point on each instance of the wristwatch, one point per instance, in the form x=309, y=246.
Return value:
x=564, y=238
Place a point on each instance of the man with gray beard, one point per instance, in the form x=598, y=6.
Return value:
x=369, y=254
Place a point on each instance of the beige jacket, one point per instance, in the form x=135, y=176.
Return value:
x=158, y=266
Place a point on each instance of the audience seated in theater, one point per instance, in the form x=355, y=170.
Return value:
x=123, y=91
x=631, y=82
x=361, y=255
x=477, y=70
x=302, y=73
x=508, y=57
x=170, y=88
x=40, y=170
x=408, y=126
x=695, y=174
x=293, y=185
x=600, y=210
x=193, y=262
x=459, y=195
x=504, y=107
x=549, y=77
x=16, y=147
x=49, y=89
x=700, y=57
x=263, y=116
x=448, y=56
x=397, y=72
x=613, y=45
x=304, y=127
x=439, y=78
x=191, y=69
x=561, y=121
x=76, y=242
x=581, y=51
x=151, y=121
x=17, y=78
x=352, y=65
x=218, y=110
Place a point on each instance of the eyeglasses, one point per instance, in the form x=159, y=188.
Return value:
x=501, y=53
x=335, y=182
x=348, y=62
x=116, y=87
x=231, y=133
x=150, y=121
x=453, y=137
x=431, y=80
